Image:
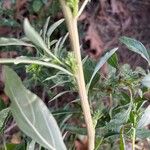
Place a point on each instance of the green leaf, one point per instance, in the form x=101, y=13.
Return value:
x=13, y=41
x=31, y=145
x=37, y=5
x=145, y=119
x=3, y=116
x=101, y=62
x=119, y=119
x=53, y=27
x=142, y=133
x=45, y=27
x=146, y=81
x=113, y=61
x=76, y=130
x=10, y=146
x=31, y=114
x=136, y=47
x=58, y=95
x=2, y=104
x=34, y=37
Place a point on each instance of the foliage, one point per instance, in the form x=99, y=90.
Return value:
x=116, y=100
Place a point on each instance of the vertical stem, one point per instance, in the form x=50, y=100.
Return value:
x=133, y=139
x=134, y=121
x=74, y=38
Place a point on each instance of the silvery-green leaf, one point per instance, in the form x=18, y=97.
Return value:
x=136, y=47
x=31, y=114
x=45, y=27
x=146, y=81
x=145, y=119
x=31, y=145
x=58, y=95
x=63, y=41
x=143, y=133
x=53, y=27
x=101, y=62
x=13, y=41
x=34, y=37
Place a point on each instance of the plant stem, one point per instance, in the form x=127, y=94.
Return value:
x=17, y=61
x=74, y=38
x=133, y=139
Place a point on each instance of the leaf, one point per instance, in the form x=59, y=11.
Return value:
x=3, y=115
x=10, y=146
x=58, y=95
x=101, y=62
x=142, y=133
x=53, y=27
x=113, y=61
x=146, y=81
x=13, y=41
x=119, y=119
x=136, y=47
x=37, y=5
x=34, y=37
x=76, y=129
x=31, y=114
x=31, y=145
x=45, y=27
x=2, y=104
x=145, y=119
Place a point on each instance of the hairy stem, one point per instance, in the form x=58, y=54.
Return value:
x=74, y=38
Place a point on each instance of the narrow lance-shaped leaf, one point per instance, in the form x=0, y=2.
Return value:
x=45, y=28
x=101, y=62
x=53, y=27
x=31, y=114
x=13, y=41
x=34, y=37
x=113, y=61
x=136, y=47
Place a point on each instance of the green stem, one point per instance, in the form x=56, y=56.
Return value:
x=134, y=121
x=74, y=38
